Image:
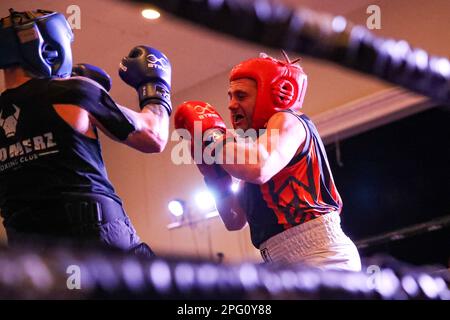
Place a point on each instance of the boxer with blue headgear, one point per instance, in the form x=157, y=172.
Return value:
x=39, y=41
x=53, y=182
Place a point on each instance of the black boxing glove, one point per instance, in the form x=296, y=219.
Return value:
x=149, y=72
x=93, y=73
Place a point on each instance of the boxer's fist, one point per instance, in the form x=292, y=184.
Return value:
x=94, y=73
x=199, y=115
x=149, y=72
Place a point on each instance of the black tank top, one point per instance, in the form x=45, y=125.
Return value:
x=43, y=157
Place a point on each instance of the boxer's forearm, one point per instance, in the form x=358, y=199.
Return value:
x=152, y=128
x=227, y=202
x=232, y=215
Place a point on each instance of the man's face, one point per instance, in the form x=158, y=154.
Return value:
x=242, y=99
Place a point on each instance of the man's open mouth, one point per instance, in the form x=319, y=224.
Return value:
x=237, y=118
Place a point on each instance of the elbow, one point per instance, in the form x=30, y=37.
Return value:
x=234, y=226
x=233, y=221
x=159, y=145
x=155, y=144
x=156, y=147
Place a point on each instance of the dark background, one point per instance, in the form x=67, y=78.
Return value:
x=396, y=176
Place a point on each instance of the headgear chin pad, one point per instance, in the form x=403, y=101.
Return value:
x=280, y=86
x=39, y=41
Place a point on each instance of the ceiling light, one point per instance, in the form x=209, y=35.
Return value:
x=150, y=14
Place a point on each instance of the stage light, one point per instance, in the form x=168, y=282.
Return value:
x=338, y=24
x=176, y=207
x=235, y=186
x=205, y=200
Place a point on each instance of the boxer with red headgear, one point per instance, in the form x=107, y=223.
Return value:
x=287, y=194
x=279, y=85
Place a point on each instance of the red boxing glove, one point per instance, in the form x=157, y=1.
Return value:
x=205, y=126
x=191, y=112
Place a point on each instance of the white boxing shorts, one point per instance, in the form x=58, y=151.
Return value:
x=318, y=243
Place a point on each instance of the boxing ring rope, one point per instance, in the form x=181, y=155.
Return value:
x=322, y=36
x=24, y=274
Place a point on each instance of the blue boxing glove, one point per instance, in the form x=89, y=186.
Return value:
x=93, y=73
x=149, y=72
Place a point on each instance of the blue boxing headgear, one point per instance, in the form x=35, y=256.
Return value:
x=39, y=41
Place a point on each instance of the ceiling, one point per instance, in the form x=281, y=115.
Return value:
x=109, y=29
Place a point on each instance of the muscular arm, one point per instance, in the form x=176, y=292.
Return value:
x=152, y=125
x=268, y=154
x=152, y=130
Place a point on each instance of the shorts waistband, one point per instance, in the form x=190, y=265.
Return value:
x=69, y=209
x=302, y=238
x=92, y=208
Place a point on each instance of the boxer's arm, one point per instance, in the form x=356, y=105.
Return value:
x=217, y=179
x=268, y=154
x=227, y=203
x=151, y=124
x=152, y=133
x=151, y=128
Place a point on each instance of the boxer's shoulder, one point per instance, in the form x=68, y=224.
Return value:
x=73, y=90
x=74, y=84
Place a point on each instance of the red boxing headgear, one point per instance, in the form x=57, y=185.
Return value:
x=281, y=85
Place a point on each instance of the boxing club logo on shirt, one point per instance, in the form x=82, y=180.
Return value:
x=9, y=122
x=25, y=150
